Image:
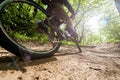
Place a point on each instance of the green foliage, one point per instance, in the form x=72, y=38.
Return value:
x=21, y=37
x=16, y=18
x=112, y=30
x=20, y=22
x=68, y=42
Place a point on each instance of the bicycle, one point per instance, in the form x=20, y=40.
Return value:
x=16, y=46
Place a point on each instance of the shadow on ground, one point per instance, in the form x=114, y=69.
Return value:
x=7, y=63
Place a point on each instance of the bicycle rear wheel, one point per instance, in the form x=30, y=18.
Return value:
x=18, y=31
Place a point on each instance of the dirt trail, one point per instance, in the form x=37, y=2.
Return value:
x=95, y=63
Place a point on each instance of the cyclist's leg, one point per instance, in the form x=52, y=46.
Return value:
x=61, y=14
x=70, y=29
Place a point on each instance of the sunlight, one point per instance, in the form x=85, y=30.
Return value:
x=94, y=23
x=96, y=20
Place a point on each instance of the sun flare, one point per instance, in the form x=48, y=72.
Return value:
x=95, y=23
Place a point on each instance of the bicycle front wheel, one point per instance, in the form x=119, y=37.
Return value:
x=19, y=32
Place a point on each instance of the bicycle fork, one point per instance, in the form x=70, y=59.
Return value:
x=77, y=44
x=73, y=39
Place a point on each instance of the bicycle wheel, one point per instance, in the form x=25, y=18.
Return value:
x=18, y=31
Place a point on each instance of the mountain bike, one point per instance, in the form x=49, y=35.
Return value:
x=19, y=34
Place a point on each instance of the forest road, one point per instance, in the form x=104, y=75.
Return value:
x=101, y=62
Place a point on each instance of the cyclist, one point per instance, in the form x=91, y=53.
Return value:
x=55, y=7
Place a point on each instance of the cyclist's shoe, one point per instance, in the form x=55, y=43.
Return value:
x=41, y=27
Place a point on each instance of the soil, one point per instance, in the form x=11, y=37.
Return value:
x=101, y=62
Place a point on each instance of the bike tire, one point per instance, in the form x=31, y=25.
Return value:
x=12, y=46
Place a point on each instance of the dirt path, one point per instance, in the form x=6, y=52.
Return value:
x=95, y=63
